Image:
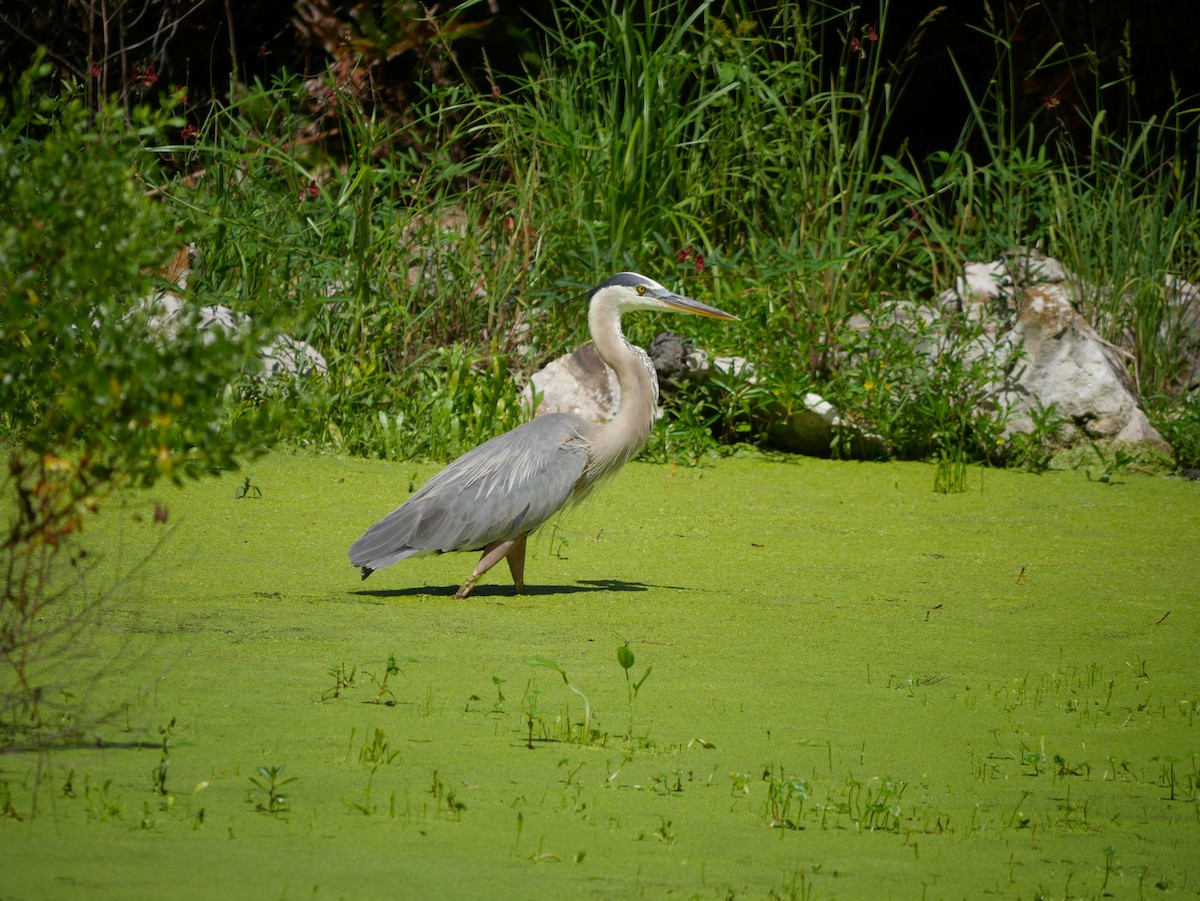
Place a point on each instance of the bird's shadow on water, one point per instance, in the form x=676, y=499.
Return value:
x=506, y=591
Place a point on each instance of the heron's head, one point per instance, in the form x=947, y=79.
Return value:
x=628, y=291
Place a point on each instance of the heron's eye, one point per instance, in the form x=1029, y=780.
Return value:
x=641, y=289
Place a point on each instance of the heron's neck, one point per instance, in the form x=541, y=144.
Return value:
x=620, y=441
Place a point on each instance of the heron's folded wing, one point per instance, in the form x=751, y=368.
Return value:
x=504, y=488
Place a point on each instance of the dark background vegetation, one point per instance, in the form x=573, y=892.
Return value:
x=197, y=43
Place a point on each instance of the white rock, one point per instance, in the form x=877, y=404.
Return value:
x=988, y=280
x=286, y=356
x=1067, y=364
x=578, y=383
x=169, y=315
x=739, y=367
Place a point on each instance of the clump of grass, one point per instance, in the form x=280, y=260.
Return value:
x=379, y=750
x=1125, y=185
x=445, y=794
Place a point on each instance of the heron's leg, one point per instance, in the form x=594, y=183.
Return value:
x=516, y=563
x=492, y=554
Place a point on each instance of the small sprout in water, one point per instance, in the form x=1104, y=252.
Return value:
x=247, y=490
x=383, y=694
x=540, y=856
x=529, y=706
x=343, y=678
x=498, y=706
x=663, y=833
x=1110, y=865
x=270, y=784
x=571, y=773
x=625, y=659
x=159, y=773
x=538, y=660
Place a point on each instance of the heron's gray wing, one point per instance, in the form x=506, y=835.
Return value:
x=506, y=487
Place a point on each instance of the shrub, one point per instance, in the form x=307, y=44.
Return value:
x=88, y=402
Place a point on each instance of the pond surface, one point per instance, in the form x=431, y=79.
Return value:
x=857, y=688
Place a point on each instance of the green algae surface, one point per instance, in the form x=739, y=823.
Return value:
x=848, y=686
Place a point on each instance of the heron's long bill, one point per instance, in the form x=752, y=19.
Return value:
x=681, y=304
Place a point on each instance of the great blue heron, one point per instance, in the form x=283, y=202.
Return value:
x=492, y=497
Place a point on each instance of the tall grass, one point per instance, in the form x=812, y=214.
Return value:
x=1128, y=230
x=376, y=251
x=651, y=124
x=1119, y=210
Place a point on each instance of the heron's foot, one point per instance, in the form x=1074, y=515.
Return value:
x=512, y=550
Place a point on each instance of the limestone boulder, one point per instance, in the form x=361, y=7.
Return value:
x=579, y=382
x=1064, y=362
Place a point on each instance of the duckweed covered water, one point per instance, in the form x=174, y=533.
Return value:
x=858, y=688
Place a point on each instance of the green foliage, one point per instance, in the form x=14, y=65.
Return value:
x=1111, y=463
x=709, y=417
x=1178, y=421
x=922, y=398
x=1034, y=450
x=90, y=400
x=79, y=238
x=455, y=399
x=377, y=261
